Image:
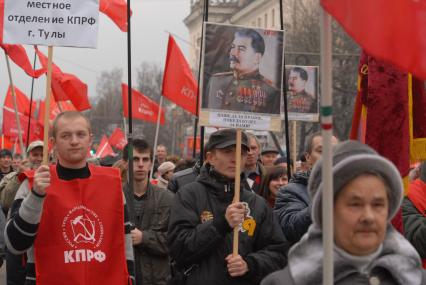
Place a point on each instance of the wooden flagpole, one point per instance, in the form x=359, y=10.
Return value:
x=47, y=106
x=129, y=94
x=15, y=106
x=156, y=136
x=31, y=100
x=237, y=188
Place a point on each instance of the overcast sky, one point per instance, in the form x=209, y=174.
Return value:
x=150, y=21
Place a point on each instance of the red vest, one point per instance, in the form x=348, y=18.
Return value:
x=80, y=240
x=417, y=196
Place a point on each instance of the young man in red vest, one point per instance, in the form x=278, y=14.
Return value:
x=70, y=217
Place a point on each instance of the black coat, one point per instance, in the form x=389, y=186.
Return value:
x=200, y=236
x=292, y=207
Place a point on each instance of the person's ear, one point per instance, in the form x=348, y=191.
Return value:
x=258, y=57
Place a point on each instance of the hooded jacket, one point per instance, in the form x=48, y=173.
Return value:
x=200, y=238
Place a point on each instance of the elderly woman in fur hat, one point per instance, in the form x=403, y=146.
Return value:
x=367, y=250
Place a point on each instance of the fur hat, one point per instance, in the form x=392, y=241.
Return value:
x=165, y=166
x=350, y=160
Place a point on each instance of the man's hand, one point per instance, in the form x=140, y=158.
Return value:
x=41, y=180
x=235, y=214
x=136, y=236
x=23, y=166
x=236, y=265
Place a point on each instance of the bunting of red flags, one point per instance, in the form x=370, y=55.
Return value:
x=179, y=84
x=143, y=108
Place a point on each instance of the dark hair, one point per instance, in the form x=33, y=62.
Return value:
x=68, y=115
x=140, y=145
x=272, y=173
x=257, y=42
x=17, y=156
x=5, y=152
x=184, y=164
x=282, y=159
x=302, y=72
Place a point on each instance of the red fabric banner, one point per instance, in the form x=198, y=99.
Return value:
x=117, y=139
x=104, y=148
x=143, y=108
x=116, y=10
x=22, y=102
x=10, y=127
x=179, y=84
x=5, y=142
x=390, y=30
x=54, y=109
x=66, y=86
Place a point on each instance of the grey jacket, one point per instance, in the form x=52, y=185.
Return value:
x=397, y=264
x=152, y=255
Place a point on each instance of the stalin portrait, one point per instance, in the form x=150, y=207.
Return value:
x=243, y=88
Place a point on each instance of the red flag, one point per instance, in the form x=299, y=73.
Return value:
x=5, y=142
x=143, y=108
x=117, y=139
x=22, y=102
x=66, y=86
x=391, y=30
x=179, y=84
x=10, y=127
x=54, y=109
x=17, y=53
x=104, y=148
x=116, y=10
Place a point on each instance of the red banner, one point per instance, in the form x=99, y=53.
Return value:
x=143, y=108
x=104, y=148
x=22, y=102
x=117, y=139
x=10, y=127
x=179, y=84
x=390, y=30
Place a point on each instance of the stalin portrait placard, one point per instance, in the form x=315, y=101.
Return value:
x=242, y=77
x=302, y=93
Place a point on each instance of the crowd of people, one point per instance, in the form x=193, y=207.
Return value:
x=73, y=222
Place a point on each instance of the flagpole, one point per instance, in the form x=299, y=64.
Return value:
x=129, y=94
x=194, y=146
x=125, y=127
x=287, y=129
x=15, y=106
x=47, y=106
x=156, y=136
x=327, y=128
x=31, y=100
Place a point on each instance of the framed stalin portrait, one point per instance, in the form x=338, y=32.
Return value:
x=242, y=77
x=302, y=93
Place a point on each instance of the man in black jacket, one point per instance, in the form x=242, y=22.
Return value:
x=203, y=217
x=292, y=205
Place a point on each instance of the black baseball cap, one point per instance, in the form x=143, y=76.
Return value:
x=269, y=149
x=225, y=138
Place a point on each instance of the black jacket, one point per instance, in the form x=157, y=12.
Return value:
x=200, y=235
x=152, y=256
x=414, y=227
x=292, y=207
x=183, y=177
